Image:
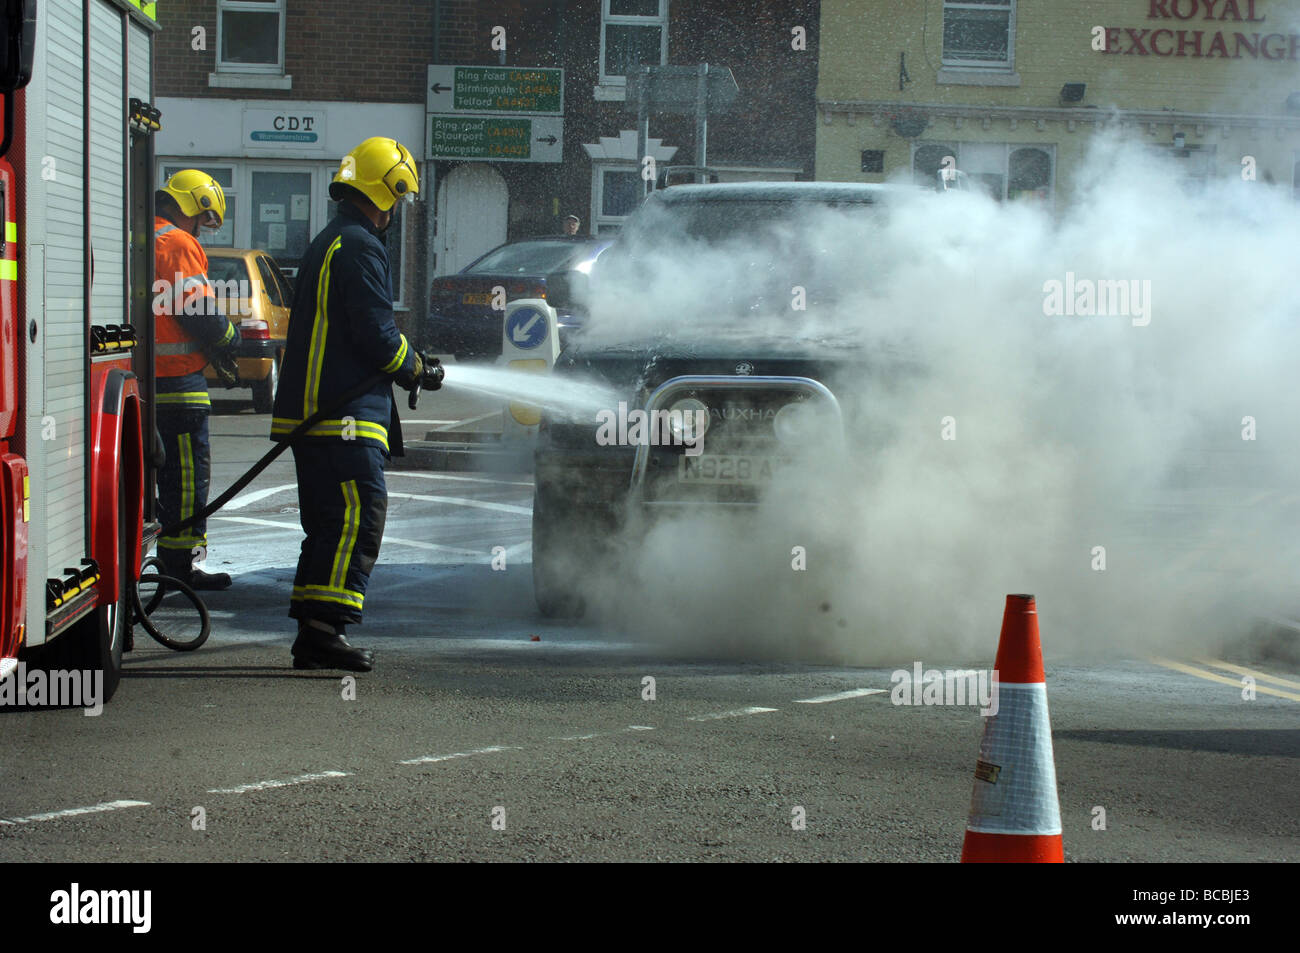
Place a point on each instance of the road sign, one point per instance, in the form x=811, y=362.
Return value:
x=500, y=90
x=526, y=327
x=496, y=138
x=678, y=88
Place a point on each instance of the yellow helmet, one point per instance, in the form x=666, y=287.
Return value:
x=198, y=194
x=383, y=170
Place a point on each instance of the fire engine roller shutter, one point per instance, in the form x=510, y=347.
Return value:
x=141, y=86
x=108, y=134
x=54, y=209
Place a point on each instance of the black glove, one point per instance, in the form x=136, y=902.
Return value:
x=223, y=362
x=409, y=379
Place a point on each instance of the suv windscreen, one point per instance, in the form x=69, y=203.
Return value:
x=711, y=260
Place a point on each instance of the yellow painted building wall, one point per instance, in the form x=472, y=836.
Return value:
x=1235, y=103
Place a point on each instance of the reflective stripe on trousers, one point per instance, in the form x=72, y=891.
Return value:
x=342, y=503
x=183, y=483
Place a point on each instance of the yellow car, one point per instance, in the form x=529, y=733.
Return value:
x=255, y=296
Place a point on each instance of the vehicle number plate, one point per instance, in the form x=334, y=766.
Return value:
x=727, y=468
x=477, y=298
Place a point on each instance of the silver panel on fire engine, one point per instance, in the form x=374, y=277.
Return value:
x=108, y=132
x=56, y=416
x=140, y=81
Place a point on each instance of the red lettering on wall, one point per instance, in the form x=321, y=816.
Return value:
x=1281, y=50
x=1136, y=37
x=1159, y=10
x=1217, y=44
x=1230, y=5
x=1178, y=6
x=1182, y=42
x=1155, y=49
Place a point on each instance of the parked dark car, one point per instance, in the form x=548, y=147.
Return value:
x=466, y=309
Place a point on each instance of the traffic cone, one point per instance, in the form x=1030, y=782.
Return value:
x=1014, y=813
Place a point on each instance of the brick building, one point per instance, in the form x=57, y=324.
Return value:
x=268, y=94
x=1015, y=91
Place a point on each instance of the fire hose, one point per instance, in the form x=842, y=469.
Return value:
x=430, y=379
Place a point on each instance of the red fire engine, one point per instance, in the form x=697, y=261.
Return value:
x=76, y=331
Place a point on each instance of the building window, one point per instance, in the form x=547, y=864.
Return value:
x=250, y=36
x=1193, y=165
x=617, y=190
x=632, y=33
x=223, y=237
x=979, y=33
x=1007, y=172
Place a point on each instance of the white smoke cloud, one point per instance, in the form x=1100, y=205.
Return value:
x=1072, y=431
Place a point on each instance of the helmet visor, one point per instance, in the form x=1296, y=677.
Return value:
x=402, y=181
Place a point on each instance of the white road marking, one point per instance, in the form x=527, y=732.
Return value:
x=395, y=540
x=460, y=501
x=72, y=812
x=839, y=696
x=455, y=478
x=601, y=734
x=247, y=499
x=266, y=785
x=434, y=758
x=735, y=713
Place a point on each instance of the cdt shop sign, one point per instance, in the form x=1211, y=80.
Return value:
x=284, y=130
x=1208, y=29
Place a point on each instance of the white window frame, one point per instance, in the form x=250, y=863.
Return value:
x=986, y=65
x=609, y=19
x=244, y=6
x=1007, y=149
x=601, y=224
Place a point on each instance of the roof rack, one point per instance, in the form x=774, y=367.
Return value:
x=671, y=171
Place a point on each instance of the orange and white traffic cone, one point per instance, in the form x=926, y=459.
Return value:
x=1014, y=813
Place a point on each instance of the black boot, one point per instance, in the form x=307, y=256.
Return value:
x=210, y=581
x=317, y=648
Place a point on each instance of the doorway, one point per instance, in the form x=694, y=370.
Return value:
x=472, y=204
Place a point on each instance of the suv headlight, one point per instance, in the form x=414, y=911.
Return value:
x=804, y=421
x=683, y=416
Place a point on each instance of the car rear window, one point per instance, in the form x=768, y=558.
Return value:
x=527, y=258
x=227, y=269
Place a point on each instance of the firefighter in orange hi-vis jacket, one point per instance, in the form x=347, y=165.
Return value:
x=191, y=331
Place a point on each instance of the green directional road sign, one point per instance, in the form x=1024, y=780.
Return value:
x=515, y=90
x=496, y=138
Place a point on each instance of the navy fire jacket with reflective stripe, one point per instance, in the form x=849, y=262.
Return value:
x=341, y=331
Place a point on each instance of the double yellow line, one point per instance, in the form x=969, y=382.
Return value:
x=1238, y=670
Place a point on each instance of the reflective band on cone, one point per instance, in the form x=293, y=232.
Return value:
x=1015, y=816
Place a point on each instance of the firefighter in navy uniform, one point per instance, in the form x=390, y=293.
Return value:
x=190, y=332
x=341, y=332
